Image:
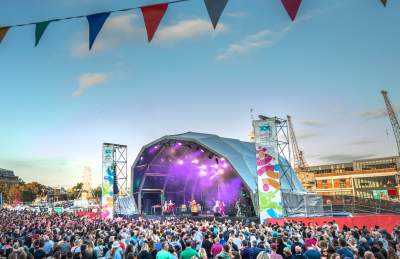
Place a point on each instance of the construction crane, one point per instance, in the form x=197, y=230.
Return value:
x=298, y=155
x=393, y=119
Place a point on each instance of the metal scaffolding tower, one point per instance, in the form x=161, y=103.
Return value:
x=393, y=119
x=120, y=155
x=298, y=155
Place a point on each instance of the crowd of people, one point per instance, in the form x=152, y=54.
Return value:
x=26, y=234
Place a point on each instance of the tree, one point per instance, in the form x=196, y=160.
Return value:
x=75, y=190
x=97, y=192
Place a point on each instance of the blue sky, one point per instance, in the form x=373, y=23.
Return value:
x=59, y=102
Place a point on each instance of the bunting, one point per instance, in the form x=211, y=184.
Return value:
x=215, y=9
x=292, y=7
x=96, y=22
x=3, y=32
x=152, y=16
x=39, y=30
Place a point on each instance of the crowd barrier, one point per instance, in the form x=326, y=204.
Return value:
x=387, y=222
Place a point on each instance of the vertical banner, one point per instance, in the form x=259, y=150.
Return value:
x=107, y=193
x=267, y=157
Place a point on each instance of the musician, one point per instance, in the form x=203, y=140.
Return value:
x=238, y=210
x=195, y=210
x=222, y=208
x=171, y=207
x=164, y=208
x=216, y=207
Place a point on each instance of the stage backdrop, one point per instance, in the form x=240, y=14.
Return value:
x=107, y=199
x=269, y=193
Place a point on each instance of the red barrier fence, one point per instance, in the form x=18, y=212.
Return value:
x=86, y=214
x=387, y=222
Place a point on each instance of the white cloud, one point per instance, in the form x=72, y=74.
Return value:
x=261, y=39
x=237, y=14
x=89, y=80
x=187, y=29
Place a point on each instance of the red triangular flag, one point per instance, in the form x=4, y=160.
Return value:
x=384, y=2
x=152, y=16
x=291, y=6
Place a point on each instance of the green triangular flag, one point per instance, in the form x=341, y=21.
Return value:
x=39, y=30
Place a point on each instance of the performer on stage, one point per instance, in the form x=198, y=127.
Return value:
x=195, y=211
x=171, y=208
x=164, y=208
x=238, y=210
x=216, y=207
x=222, y=208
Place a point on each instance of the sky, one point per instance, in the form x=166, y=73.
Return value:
x=60, y=102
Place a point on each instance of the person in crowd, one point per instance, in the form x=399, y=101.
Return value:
x=164, y=252
x=216, y=247
x=274, y=254
x=66, y=236
x=189, y=252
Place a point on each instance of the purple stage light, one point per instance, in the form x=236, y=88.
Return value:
x=203, y=167
x=214, y=166
x=141, y=158
x=203, y=173
x=195, y=161
x=180, y=162
x=202, y=151
x=220, y=172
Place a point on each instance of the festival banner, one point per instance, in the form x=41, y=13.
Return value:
x=292, y=7
x=267, y=157
x=107, y=197
x=96, y=22
x=152, y=16
x=215, y=9
x=3, y=32
x=40, y=27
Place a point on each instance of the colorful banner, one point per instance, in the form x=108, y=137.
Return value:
x=380, y=194
x=152, y=16
x=215, y=9
x=3, y=32
x=291, y=7
x=267, y=157
x=39, y=30
x=107, y=197
x=96, y=22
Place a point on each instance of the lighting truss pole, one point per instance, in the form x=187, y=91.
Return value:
x=120, y=156
x=283, y=147
x=393, y=120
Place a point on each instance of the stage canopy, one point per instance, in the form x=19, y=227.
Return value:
x=174, y=157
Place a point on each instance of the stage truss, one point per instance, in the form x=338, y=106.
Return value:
x=120, y=155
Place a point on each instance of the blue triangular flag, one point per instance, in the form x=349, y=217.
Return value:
x=214, y=9
x=96, y=22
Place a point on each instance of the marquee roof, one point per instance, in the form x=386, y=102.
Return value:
x=241, y=155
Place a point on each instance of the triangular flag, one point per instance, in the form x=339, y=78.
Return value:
x=215, y=9
x=384, y=2
x=39, y=30
x=152, y=16
x=3, y=32
x=96, y=22
x=291, y=6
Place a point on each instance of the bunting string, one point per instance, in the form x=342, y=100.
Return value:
x=152, y=16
